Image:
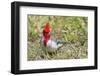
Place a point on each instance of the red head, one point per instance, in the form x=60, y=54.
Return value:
x=46, y=33
x=47, y=28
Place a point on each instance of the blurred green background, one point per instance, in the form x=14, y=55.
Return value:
x=71, y=29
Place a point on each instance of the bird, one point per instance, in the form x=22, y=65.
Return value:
x=47, y=41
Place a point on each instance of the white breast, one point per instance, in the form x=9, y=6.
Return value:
x=53, y=44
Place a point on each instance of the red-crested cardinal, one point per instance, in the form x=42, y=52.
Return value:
x=46, y=38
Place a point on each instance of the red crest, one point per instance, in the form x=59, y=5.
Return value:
x=47, y=28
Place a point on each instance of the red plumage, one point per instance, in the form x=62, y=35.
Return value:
x=46, y=39
x=46, y=35
x=47, y=28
